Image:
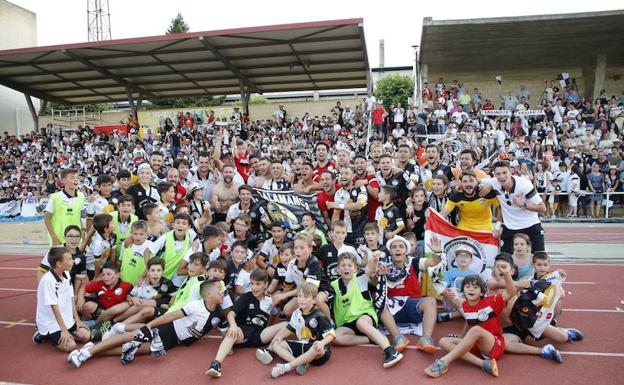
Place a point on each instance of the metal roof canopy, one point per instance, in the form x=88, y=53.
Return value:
x=289, y=57
x=522, y=42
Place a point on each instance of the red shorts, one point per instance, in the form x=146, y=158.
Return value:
x=495, y=353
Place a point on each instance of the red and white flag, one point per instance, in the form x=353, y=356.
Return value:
x=484, y=246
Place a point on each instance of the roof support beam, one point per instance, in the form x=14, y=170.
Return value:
x=241, y=77
x=133, y=106
x=25, y=90
x=108, y=74
x=33, y=112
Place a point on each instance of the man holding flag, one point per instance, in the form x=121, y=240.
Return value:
x=475, y=212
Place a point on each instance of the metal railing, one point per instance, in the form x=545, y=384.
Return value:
x=612, y=201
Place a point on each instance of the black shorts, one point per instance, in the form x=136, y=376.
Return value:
x=98, y=309
x=352, y=325
x=535, y=233
x=298, y=348
x=168, y=336
x=516, y=331
x=55, y=337
x=563, y=198
x=251, y=336
x=521, y=334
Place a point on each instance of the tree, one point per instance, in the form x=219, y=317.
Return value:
x=393, y=89
x=178, y=25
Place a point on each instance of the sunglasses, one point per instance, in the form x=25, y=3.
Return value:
x=507, y=199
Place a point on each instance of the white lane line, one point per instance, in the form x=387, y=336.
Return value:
x=12, y=289
x=596, y=354
x=18, y=268
x=588, y=264
x=578, y=283
x=594, y=310
x=17, y=323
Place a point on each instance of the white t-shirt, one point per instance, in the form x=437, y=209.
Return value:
x=193, y=325
x=97, y=206
x=54, y=290
x=514, y=217
x=99, y=248
x=243, y=279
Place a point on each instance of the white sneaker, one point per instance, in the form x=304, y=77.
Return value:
x=264, y=356
x=78, y=358
x=115, y=330
x=278, y=370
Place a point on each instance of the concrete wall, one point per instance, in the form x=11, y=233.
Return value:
x=533, y=79
x=257, y=111
x=18, y=29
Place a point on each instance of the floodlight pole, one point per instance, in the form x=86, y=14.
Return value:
x=417, y=92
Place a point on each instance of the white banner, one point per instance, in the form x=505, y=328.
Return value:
x=496, y=112
x=530, y=113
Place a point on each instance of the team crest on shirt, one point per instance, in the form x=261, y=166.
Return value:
x=115, y=201
x=390, y=214
x=395, y=182
x=439, y=172
x=483, y=315
x=313, y=323
x=77, y=261
x=164, y=287
x=482, y=202
x=118, y=291
x=139, y=193
x=215, y=322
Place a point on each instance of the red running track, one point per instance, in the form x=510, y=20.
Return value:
x=599, y=359
x=589, y=234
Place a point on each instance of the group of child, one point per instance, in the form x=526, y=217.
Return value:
x=133, y=287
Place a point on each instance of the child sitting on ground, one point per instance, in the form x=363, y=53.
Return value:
x=57, y=319
x=354, y=312
x=107, y=297
x=313, y=331
x=482, y=342
x=148, y=299
x=248, y=320
x=182, y=327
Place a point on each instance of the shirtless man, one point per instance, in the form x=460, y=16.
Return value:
x=264, y=172
x=224, y=194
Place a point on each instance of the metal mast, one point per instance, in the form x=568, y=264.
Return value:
x=98, y=20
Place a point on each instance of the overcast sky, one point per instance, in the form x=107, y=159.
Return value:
x=398, y=22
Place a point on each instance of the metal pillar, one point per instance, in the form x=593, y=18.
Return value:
x=133, y=105
x=245, y=95
x=33, y=112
